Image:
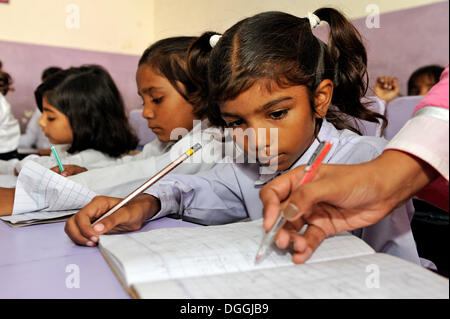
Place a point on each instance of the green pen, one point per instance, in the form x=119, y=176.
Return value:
x=61, y=167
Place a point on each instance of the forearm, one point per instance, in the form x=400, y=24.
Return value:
x=202, y=197
x=399, y=176
x=6, y=201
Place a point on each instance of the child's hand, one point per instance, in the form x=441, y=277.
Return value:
x=69, y=170
x=386, y=88
x=129, y=218
x=44, y=152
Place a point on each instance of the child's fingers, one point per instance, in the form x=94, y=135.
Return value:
x=107, y=224
x=55, y=169
x=75, y=235
x=79, y=226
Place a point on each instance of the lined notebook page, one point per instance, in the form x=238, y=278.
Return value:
x=345, y=278
x=186, y=252
x=44, y=194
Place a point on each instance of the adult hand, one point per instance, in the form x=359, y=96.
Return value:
x=340, y=198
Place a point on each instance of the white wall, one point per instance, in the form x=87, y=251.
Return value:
x=118, y=26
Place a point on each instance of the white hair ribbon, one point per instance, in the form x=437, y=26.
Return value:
x=214, y=39
x=314, y=20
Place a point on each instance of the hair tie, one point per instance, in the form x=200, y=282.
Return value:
x=314, y=20
x=214, y=39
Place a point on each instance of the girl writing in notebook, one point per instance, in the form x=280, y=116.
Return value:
x=169, y=97
x=268, y=74
x=83, y=114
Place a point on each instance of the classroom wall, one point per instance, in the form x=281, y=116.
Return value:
x=113, y=33
x=127, y=27
x=25, y=63
x=404, y=41
x=178, y=16
x=115, y=26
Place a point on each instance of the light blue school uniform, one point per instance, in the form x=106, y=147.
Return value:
x=230, y=192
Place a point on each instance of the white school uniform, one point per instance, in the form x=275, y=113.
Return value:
x=9, y=127
x=90, y=159
x=133, y=171
x=120, y=180
x=230, y=192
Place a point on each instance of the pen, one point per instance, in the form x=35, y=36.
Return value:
x=61, y=167
x=311, y=167
x=152, y=180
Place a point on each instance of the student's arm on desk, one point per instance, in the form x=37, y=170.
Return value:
x=6, y=201
x=130, y=217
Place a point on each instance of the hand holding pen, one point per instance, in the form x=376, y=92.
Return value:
x=312, y=166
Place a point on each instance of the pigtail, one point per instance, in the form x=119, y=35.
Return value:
x=348, y=57
x=198, y=57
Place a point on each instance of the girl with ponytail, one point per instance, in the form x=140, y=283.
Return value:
x=269, y=74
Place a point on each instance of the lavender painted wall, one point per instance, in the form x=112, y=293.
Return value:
x=25, y=63
x=406, y=40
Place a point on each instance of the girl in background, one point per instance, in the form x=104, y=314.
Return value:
x=84, y=116
x=9, y=126
x=34, y=138
x=170, y=105
x=169, y=98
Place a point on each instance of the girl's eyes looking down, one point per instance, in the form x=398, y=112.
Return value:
x=157, y=100
x=276, y=115
x=153, y=100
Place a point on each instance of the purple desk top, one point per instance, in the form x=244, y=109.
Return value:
x=38, y=262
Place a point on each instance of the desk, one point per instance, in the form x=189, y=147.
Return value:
x=34, y=261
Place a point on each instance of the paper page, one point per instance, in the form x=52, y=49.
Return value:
x=369, y=276
x=40, y=191
x=185, y=252
x=28, y=219
x=8, y=181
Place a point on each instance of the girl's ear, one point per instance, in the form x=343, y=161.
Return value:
x=322, y=98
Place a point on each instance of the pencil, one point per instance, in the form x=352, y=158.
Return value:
x=152, y=180
x=61, y=167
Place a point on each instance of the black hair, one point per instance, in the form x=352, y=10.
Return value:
x=277, y=47
x=88, y=96
x=49, y=71
x=168, y=57
x=198, y=58
x=432, y=71
x=5, y=82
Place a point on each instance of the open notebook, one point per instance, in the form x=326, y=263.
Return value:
x=218, y=262
x=35, y=186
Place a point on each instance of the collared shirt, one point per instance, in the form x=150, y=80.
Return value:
x=230, y=192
